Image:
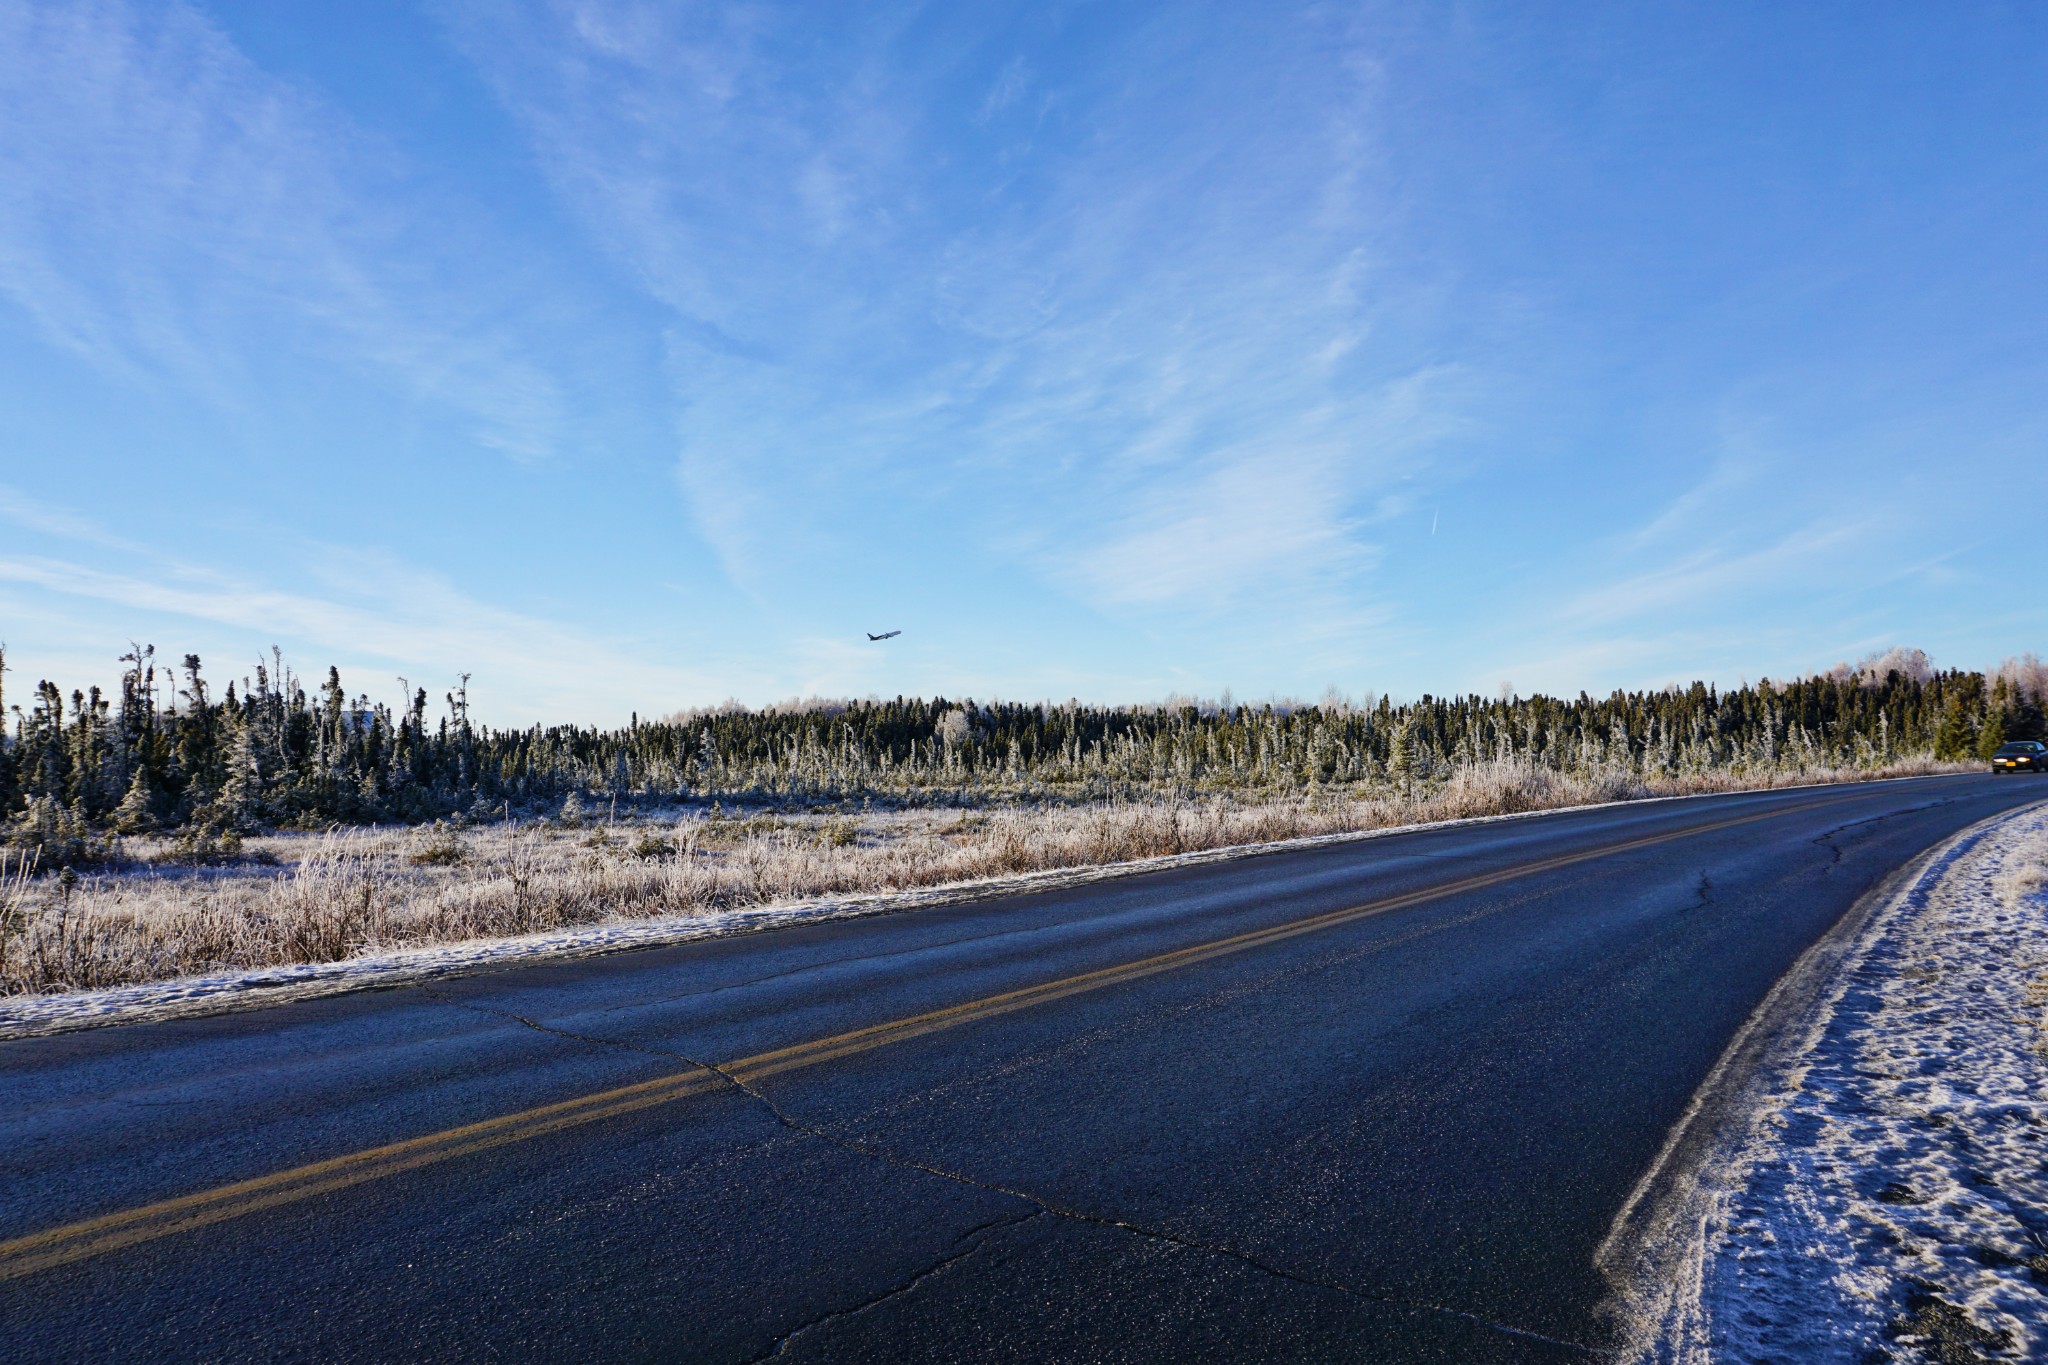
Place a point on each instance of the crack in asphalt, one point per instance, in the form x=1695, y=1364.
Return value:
x=1827, y=841
x=982, y=1235
x=1826, y=838
x=539, y=1027
x=1041, y=1203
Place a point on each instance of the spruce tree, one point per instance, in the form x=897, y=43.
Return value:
x=239, y=806
x=1401, y=753
x=1991, y=733
x=137, y=812
x=1955, y=737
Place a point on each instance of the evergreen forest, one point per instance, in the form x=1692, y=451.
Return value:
x=171, y=755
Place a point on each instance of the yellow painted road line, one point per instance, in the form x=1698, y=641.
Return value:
x=75, y=1241
x=57, y=1246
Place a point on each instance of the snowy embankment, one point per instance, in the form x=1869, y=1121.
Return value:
x=1877, y=1191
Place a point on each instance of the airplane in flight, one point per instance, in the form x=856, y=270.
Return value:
x=886, y=635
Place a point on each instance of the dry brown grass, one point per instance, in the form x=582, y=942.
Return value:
x=323, y=898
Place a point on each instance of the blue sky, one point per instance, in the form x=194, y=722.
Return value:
x=635, y=356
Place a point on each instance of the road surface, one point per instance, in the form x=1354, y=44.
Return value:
x=1370, y=1101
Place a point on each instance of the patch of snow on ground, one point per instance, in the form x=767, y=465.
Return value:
x=1889, y=1199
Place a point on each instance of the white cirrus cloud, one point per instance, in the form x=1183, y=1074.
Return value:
x=168, y=209
x=369, y=611
x=914, y=283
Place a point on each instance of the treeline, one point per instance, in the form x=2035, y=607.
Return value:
x=168, y=754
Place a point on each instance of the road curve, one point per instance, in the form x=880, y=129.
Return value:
x=1370, y=1101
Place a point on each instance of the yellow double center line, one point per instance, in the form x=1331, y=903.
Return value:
x=94, y=1236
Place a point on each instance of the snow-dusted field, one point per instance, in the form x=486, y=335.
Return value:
x=296, y=911
x=1881, y=1193
x=24, y=1016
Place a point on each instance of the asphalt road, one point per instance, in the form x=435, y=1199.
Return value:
x=1375, y=1101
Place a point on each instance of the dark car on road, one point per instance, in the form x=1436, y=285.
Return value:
x=2021, y=756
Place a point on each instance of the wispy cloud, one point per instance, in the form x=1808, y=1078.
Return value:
x=1106, y=348
x=34, y=515
x=1713, y=578
x=371, y=612
x=929, y=285
x=1010, y=85
x=1281, y=513
x=399, y=620
x=167, y=209
x=1691, y=513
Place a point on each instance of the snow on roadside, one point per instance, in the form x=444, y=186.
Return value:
x=1886, y=1198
